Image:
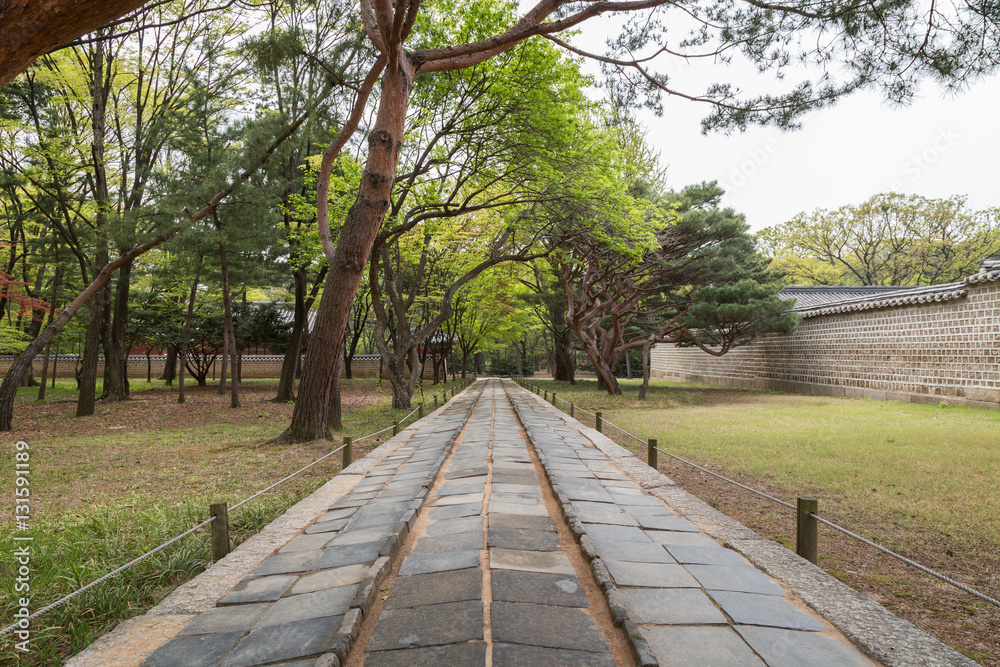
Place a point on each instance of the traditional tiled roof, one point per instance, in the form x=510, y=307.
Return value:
x=812, y=301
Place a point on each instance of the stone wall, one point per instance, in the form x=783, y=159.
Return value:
x=922, y=352
x=254, y=367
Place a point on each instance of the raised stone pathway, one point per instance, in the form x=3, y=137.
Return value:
x=450, y=555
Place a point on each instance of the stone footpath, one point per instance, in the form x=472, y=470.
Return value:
x=454, y=550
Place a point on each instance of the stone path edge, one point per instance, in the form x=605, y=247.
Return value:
x=134, y=639
x=871, y=627
x=619, y=613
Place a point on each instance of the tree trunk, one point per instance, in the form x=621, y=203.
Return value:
x=645, y=371
x=480, y=362
x=628, y=366
x=286, y=385
x=321, y=373
x=48, y=346
x=187, y=333
x=149, y=366
x=170, y=365
x=115, y=355
x=225, y=356
x=228, y=337
x=91, y=350
x=517, y=358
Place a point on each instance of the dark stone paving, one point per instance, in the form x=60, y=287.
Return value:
x=292, y=609
x=695, y=602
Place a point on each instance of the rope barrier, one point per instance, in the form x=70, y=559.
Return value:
x=166, y=544
x=923, y=568
x=101, y=580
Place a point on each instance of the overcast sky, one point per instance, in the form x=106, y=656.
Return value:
x=941, y=145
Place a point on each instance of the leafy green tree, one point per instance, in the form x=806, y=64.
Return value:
x=891, y=239
x=692, y=278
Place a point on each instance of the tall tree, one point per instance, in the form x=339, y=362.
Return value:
x=891, y=239
x=892, y=53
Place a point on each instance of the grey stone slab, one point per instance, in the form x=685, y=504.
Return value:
x=296, y=561
x=470, y=654
x=600, y=531
x=342, y=513
x=501, y=520
x=194, y=650
x=519, y=538
x=472, y=540
x=462, y=473
x=586, y=505
x=327, y=527
x=553, y=627
x=666, y=522
x=348, y=554
x=335, y=578
x=646, y=510
x=359, y=536
x=461, y=488
x=516, y=489
x=422, y=563
x=687, y=646
x=320, y=604
x=746, y=579
x=670, y=537
x=650, y=575
x=788, y=648
x=594, y=494
x=627, y=502
x=515, y=477
x=461, y=525
x=455, y=511
x=436, y=588
x=530, y=561
x=464, y=498
x=563, y=590
x=671, y=606
x=756, y=609
x=514, y=655
x=523, y=509
x=610, y=518
x=716, y=555
x=258, y=589
x=353, y=500
x=306, y=543
x=637, y=552
x=427, y=625
x=237, y=618
x=287, y=641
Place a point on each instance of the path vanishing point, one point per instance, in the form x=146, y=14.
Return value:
x=499, y=531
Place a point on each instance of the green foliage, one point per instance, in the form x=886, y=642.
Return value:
x=891, y=239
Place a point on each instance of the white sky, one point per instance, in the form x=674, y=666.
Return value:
x=941, y=145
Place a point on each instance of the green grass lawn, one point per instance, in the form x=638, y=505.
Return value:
x=108, y=487
x=922, y=466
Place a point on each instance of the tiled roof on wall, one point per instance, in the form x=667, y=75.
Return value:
x=813, y=301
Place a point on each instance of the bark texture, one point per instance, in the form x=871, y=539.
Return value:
x=32, y=28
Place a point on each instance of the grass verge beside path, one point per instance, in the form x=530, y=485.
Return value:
x=107, y=488
x=919, y=479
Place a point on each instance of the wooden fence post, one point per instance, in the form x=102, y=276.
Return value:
x=807, y=533
x=600, y=422
x=220, y=530
x=347, y=451
x=651, y=453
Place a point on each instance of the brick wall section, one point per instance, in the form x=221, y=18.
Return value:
x=920, y=353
